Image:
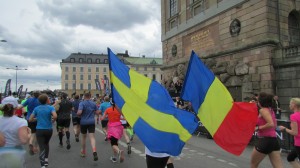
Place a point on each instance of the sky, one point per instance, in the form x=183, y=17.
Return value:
x=40, y=34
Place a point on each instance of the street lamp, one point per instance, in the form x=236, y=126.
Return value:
x=17, y=69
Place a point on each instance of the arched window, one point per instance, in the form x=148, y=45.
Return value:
x=80, y=59
x=89, y=60
x=294, y=29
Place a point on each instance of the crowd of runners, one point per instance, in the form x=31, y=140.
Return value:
x=31, y=121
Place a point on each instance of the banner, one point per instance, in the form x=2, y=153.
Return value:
x=25, y=92
x=7, y=88
x=98, y=86
x=20, y=90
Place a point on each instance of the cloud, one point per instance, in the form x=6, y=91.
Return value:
x=40, y=34
x=113, y=15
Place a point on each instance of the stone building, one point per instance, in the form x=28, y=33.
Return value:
x=251, y=45
x=79, y=72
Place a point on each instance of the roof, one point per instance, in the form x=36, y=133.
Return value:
x=144, y=60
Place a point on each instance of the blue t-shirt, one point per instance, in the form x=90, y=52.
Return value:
x=31, y=103
x=43, y=115
x=88, y=108
x=103, y=107
x=75, y=105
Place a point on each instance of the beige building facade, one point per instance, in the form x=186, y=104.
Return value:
x=79, y=72
x=252, y=46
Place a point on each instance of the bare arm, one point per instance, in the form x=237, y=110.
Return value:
x=54, y=116
x=294, y=128
x=24, y=134
x=31, y=118
x=79, y=112
x=2, y=139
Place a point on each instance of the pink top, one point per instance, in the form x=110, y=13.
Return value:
x=296, y=118
x=270, y=132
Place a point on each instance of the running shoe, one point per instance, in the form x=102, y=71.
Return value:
x=82, y=154
x=31, y=152
x=95, y=156
x=77, y=138
x=128, y=149
x=46, y=163
x=61, y=145
x=121, y=156
x=68, y=144
x=113, y=159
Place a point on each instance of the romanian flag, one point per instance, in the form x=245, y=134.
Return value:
x=230, y=123
x=149, y=109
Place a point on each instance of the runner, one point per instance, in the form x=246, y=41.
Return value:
x=75, y=117
x=32, y=103
x=14, y=133
x=44, y=115
x=114, y=131
x=63, y=120
x=102, y=109
x=87, y=110
x=125, y=126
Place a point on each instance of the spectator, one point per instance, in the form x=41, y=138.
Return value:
x=276, y=107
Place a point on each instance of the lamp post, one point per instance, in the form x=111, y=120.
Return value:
x=17, y=69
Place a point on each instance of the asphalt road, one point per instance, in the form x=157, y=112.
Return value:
x=198, y=152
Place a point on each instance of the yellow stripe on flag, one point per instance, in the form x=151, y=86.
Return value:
x=135, y=106
x=216, y=105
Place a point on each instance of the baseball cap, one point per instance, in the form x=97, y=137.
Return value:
x=10, y=100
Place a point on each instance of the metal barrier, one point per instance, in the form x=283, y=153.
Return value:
x=286, y=140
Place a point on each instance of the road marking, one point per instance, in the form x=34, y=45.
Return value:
x=182, y=155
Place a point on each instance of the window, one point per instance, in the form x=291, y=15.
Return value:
x=80, y=59
x=81, y=86
x=81, y=77
x=89, y=77
x=294, y=28
x=89, y=60
x=104, y=69
x=97, y=69
x=105, y=77
x=98, y=61
x=81, y=69
x=97, y=76
x=153, y=69
x=198, y=6
x=74, y=69
x=136, y=68
x=66, y=86
x=153, y=77
x=145, y=68
x=105, y=61
x=89, y=69
x=173, y=7
x=67, y=69
x=74, y=77
x=66, y=77
x=72, y=60
x=89, y=86
x=74, y=86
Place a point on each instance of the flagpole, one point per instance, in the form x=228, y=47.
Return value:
x=109, y=64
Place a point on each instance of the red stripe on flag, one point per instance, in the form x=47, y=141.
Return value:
x=237, y=128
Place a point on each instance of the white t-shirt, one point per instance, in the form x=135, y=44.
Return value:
x=9, y=126
x=153, y=154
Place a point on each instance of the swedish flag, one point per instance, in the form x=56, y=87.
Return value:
x=149, y=109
